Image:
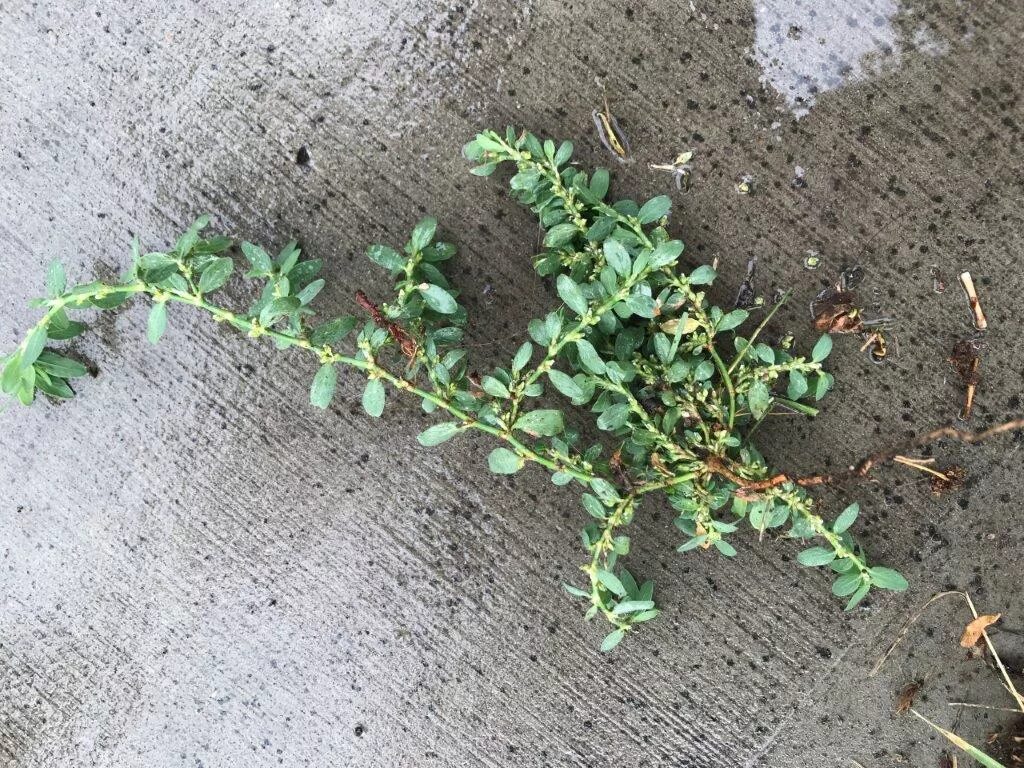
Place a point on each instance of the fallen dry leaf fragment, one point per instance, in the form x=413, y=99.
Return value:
x=973, y=632
x=905, y=696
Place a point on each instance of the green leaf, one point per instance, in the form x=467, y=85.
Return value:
x=570, y=293
x=332, y=331
x=666, y=253
x=654, y=209
x=288, y=258
x=816, y=556
x=645, y=616
x=523, y=355
x=423, y=233
x=632, y=606
x=157, y=267
x=324, y=383
x=613, y=417
x=611, y=582
x=310, y=292
x=703, y=275
x=560, y=234
x=58, y=365
x=822, y=385
x=704, y=370
x=216, y=274
x=438, y=433
x=857, y=596
x=303, y=273
x=617, y=257
x=56, y=280
x=561, y=478
x=575, y=591
x=846, y=518
x=190, y=237
x=374, y=397
x=565, y=384
x=887, y=578
x=847, y=583
x=32, y=347
x=599, y=183
x=278, y=307
x=11, y=375
x=797, y=385
x=589, y=357
x=63, y=328
x=494, y=387
x=438, y=299
x=612, y=639
x=725, y=547
x=157, y=322
x=258, y=259
x=595, y=508
x=54, y=386
x=822, y=348
x=541, y=423
x=502, y=461
x=604, y=490
x=641, y=305
x=601, y=228
x=386, y=257
x=564, y=153
x=732, y=320
x=759, y=399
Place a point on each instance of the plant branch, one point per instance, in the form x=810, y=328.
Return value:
x=868, y=463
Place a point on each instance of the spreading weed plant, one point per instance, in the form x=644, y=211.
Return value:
x=634, y=385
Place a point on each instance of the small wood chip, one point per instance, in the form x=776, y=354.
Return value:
x=972, y=297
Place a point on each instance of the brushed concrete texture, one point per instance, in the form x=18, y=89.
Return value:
x=199, y=569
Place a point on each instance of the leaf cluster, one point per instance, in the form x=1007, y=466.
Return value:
x=635, y=383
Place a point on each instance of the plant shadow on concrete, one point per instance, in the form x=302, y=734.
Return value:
x=676, y=385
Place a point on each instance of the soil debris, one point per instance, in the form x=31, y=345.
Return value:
x=952, y=478
x=747, y=296
x=681, y=169
x=966, y=360
x=609, y=132
x=745, y=184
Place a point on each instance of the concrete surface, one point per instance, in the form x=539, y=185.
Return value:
x=198, y=569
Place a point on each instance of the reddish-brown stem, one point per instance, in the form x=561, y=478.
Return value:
x=861, y=469
x=398, y=333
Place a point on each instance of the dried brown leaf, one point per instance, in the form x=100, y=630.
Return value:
x=973, y=631
x=905, y=696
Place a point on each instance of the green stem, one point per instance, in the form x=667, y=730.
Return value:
x=727, y=380
x=757, y=331
x=325, y=354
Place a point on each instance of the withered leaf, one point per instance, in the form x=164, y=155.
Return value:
x=905, y=696
x=836, y=311
x=973, y=631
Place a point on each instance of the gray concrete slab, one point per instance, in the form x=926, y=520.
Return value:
x=199, y=569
